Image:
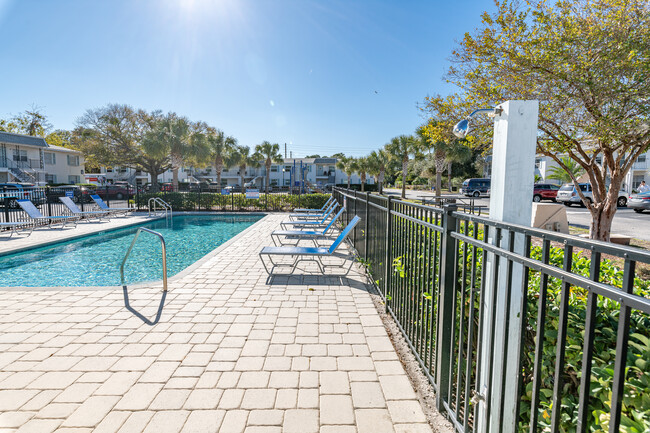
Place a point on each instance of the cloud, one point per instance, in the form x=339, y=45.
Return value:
x=272, y=103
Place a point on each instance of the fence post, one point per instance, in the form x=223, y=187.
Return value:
x=6, y=203
x=445, y=304
x=388, y=260
x=47, y=199
x=232, y=201
x=365, y=229
x=108, y=200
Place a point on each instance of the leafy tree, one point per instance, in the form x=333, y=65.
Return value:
x=400, y=149
x=587, y=63
x=242, y=158
x=560, y=173
x=313, y=156
x=221, y=149
x=270, y=153
x=377, y=162
x=30, y=122
x=113, y=136
x=347, y=165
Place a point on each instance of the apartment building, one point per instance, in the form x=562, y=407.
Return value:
x=24, y=158
x=315, y=171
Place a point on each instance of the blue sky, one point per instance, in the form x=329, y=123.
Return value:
x=322, y=76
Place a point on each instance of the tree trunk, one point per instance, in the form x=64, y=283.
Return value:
x=218, y=165
x=381, y=182
x=268, y=176
x=241, y=175
x=449, y=176
x=175, y=178
x=602, y=214
x=363, y=183
x=405, y=166
x=348, y=181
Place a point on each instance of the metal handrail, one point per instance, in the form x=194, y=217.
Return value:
x=157, y=200
x=164, y=255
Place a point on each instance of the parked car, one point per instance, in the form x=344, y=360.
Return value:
x=639, y=202
x=80, y=194
x=10, y=192
x=545, y=191
x=569, y=195
x=476, y=187
x=116, y=192
x=233, y=188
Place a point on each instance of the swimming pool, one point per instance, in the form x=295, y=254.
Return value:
x=94, y=260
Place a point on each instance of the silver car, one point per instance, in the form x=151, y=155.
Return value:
x=569, y=195
x=639, y=202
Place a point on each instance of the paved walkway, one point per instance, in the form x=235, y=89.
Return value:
x=230, y=353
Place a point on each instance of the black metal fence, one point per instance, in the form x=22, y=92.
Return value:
x=579, y=310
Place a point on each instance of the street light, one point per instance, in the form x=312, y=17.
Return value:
x=461, y=129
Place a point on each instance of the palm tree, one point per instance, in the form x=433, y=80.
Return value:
x=242, y=158
x=362, y=167
x=400, y=148
x=177, y=137
x=558, y=173
x=347, y=165
x=270, y=153
x=221, y=147
x=377, y=163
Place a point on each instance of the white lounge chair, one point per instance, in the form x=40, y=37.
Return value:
x=36, y=215
x=72, y=207
x=313, y=254
x=327, y=203
x=12, y=226
x=304, y=234
x=313, y=224
x=318, y=215
x=115, y=210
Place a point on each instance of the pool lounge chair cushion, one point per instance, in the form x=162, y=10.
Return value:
x=103, y=206
x=67, y=201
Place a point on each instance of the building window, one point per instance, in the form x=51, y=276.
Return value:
x=599, y=160
x=287, y=182
x=49, y=158
x=641, y=158
x=274, y=182
x=73, y=160
x=274, y=169
x=73, y=179
x=50, y=178
x=287, y=168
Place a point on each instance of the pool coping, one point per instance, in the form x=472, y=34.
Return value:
x=154, y=283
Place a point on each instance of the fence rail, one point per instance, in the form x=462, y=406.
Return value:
x=581, y=312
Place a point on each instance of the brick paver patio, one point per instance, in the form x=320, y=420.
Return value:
x=231, y=353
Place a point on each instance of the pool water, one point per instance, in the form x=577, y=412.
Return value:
x=95, y=260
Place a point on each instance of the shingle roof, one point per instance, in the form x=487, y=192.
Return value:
x=325, y=161
x=62, y=149
x=11, y=138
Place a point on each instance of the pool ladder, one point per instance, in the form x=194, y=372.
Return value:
x=164, y=255
x=153, y=209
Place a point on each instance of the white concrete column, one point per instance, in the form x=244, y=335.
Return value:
x=511, y=196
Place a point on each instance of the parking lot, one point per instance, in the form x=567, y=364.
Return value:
x=626, y=221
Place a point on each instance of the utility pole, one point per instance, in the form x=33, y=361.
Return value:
x=285, y=150
x=291, y=153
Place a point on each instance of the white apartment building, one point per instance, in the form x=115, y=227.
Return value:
x=316, y=171
x=24, y=158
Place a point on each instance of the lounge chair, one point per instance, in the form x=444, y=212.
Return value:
x=325, y=206
x=313, y=224
x=36, y=215
x=103, y=206
x=14, y=225
x=313, y=254
x=72, y=207
x=305, y=234
x=318, y=215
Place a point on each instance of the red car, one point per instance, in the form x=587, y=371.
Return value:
x=545, y=191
